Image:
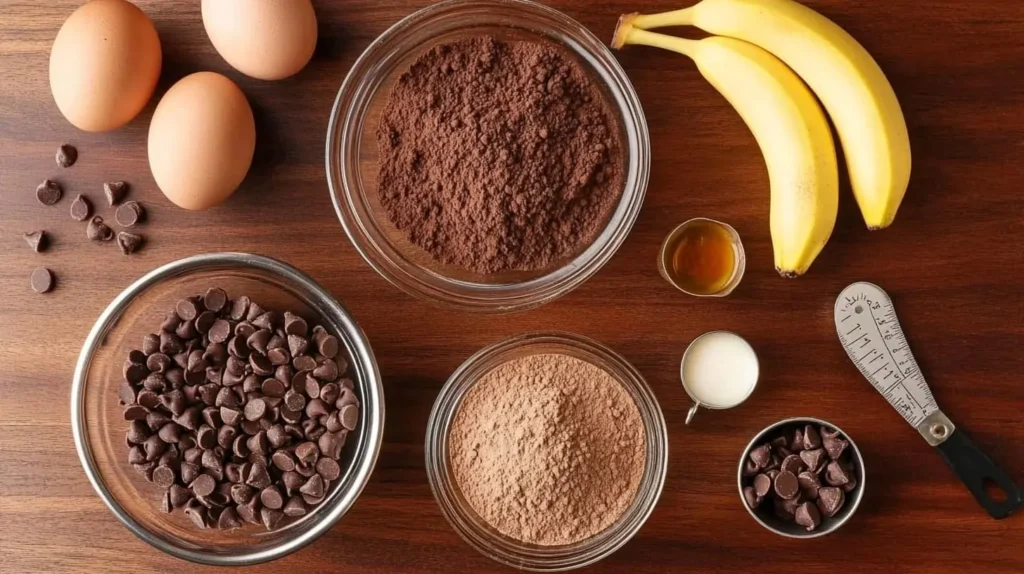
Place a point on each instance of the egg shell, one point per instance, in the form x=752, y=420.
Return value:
x=264, y=39
x=201, y=140
x=104, y=64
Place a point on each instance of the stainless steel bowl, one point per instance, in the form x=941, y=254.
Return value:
x=765, y=515
x=99, y=427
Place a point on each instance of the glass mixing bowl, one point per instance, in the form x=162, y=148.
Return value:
x=352, y=162
x=99, y=427
x=472, y=528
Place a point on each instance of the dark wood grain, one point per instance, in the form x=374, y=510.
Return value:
x=953, y=263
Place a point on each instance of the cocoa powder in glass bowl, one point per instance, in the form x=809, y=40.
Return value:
x=498, y=155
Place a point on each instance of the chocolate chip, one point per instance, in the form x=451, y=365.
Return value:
x=297, y=346
x=786, y=485
x=314, y=486
x=114, y=191
x=814, y=459
x=836, y=474
x=80, y=208
x=303, y=363
x=163, y=476
x=349, y=415
x=258, y=477
x=66, y=156
x=785, y=509
x=830, y=500
x=331, y=443
x=196, y=512
x=750, y=467
x=260, y=364
x=762, y=485
x=135, y=413
x=850, y=484
x=264, y=321
x=230, y=416
x=328, y=346
x=792, y=463
x=761, y=456
x=807, y=515
x=797, y=444
x=179, y=495
x=229, y=519
x=295, y=507
x=36, y=240
x=809, y=484
x=98, y=231
x=129, y=214
x=812, y=439
x=48, y=192
x=328, y=468
x=283, y=460
x=270, y=517
x=295, y=325
x=271, y=497
x=327, y=371
x=307, y=453
x=254, y=311
x=258, y=340
x=41, y=280
x=292, y=481
x=833, y=443
x=316, y=408
x=255, y=409
x=749, y=496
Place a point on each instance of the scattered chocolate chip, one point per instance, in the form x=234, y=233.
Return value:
x=49, y=192
x=328, y=468
x=270, y=517
x=98, y=231
x=67, y=155
x=115, y=192
x=37, y=240
x=42, y=280
x=786, y=485
x=836, y=474
x=129, y=214
x=128, y=242
x=81, y=208
x=294, y=507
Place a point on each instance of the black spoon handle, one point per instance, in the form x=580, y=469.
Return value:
x=974, y=467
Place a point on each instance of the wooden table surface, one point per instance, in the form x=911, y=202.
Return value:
x=952, y=262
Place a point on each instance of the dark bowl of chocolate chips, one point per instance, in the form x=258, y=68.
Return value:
x=227, y=409
x=801, y=477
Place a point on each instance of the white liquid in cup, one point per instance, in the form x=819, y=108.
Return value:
x=719, y=370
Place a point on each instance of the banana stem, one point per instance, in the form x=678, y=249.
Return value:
x=627, y=34
x=683, y=17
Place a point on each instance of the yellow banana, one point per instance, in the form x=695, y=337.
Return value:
x=790, y=127
x=845, y=77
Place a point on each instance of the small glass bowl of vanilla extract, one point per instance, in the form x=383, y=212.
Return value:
x=703, y=257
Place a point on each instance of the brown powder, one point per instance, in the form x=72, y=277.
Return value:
x=548, y=449
x=499, y=155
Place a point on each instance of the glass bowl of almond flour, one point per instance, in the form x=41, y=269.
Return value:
x=546, y=451
x=452, y=269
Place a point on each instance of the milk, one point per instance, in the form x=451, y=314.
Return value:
x=719, y=370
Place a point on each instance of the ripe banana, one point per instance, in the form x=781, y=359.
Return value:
x=845, y=77
x=790, y=127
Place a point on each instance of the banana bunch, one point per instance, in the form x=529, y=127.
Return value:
x=762, y=50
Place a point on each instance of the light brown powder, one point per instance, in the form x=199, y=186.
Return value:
x=548, y=449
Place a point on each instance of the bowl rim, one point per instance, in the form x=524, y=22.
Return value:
x=450, y=396
x=374, y=422
x=466, y=295
x=859, y=488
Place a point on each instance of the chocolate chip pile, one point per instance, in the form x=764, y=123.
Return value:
x=239, y=413
x=807, y=473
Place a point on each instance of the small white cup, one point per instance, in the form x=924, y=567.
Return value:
x=743, y=384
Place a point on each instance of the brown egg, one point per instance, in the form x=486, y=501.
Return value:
x=201, y=140
x=104, y=64
x=265, y=39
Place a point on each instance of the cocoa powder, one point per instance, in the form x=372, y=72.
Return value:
x=499, y=155
x=548, y=449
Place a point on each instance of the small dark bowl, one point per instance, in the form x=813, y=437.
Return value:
x=765, y=515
